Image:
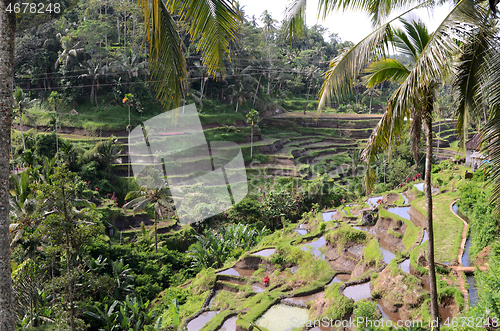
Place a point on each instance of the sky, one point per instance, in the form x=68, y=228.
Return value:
x=351, y=26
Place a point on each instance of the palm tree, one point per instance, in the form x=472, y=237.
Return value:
x=7, y=65
x=370, y=93
x=54, y=101
x=69, y=53
x=94, y=71
x=268, y=31
x=414, y=41
x=22, y=206
x=106, y=153
x=21, y=102
x=153, y=191
x=252, y=119
x=132, y=64
x=415, y=96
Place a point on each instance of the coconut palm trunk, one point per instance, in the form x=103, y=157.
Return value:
x=430, y=229
x=21, y=126
x=7, y=31
x=156, y=232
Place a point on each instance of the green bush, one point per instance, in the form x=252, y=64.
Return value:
x=46, y=145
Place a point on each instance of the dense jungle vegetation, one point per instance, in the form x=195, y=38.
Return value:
x=93, y=249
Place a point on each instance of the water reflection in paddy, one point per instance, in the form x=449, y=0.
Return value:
x=200, y=321
x=315, y=245
x=405, y=198
x=339, y=278
x=425, y=237
x=365, y=228
x=302, y=301
x=213, y=298
x=265, y=252
x=373, y=201
x=386, y=313
x=388, y=255
x=237, y=272
x=301, y=232
x=358, y=292
x=283, y=318
x=229, y=324
x=400, y=211
x=257, y=287
x=328, y=215
x=419, y=186
x=473, y=295
x=405, y=266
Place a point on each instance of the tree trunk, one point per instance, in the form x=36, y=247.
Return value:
x=129, y=128
x=118, y=29
x=156, y=237
x=439, y=139
x=251, y=144
x=256, y=91
x=430, y=230
x=57, y=140
x=370, y=111
x=7, y=31
x=21, y=126
x=125, y=31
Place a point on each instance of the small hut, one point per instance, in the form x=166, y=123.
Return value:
x=472, y=146
x=476, y=160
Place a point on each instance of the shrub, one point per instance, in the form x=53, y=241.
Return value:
x=46, y=145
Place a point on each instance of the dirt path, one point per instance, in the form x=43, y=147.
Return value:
x=461, y=281
x=341, y=116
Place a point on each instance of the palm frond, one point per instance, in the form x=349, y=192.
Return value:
x=215, y=23
x=385, y=70
x=378, y=10
x=491, y=137
x=345, y=68
x=473, y=63
x=432, y=63
x=295, y=20
x=166, y=60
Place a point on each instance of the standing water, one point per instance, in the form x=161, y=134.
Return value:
x=373, y=201
x=405, y=266
x=400, y=211
x=473, y=295
x=283, y=318
x=405, y=198
x=265, y=252
x=425, y=237
x=200, y=321
x=358, y=292
x=315, y=245
x=388, y=255
x=328, y=215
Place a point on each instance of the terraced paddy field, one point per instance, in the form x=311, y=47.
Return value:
x=315, y=273
x=288, y=144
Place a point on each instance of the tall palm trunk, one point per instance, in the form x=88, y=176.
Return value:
x=251, y=143
x=156, y=235
x=7, y=31
x=430, y=230
x=21, y=126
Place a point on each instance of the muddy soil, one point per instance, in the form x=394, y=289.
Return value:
x=340, y=262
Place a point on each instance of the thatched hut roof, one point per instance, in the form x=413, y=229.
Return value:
x=474, y=143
